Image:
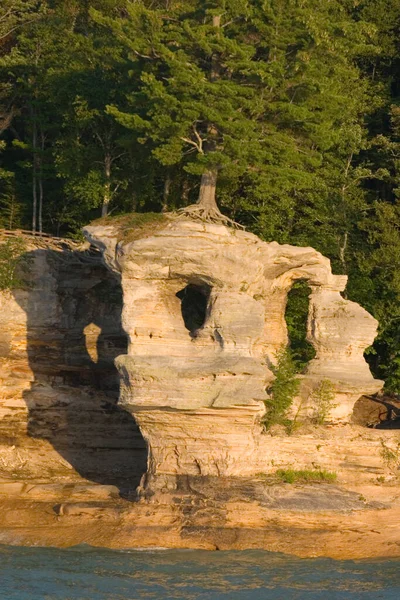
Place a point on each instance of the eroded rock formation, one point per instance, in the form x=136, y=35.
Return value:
x=59, y=337
x=204, y=310
x=64, y=439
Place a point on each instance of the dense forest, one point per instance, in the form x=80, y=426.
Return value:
x=287, y=110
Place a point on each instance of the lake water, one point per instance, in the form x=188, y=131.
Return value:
x=84, y=573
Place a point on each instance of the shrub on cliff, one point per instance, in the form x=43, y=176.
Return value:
x=306, y=476
x=283, y=389
x=323, y=400
x=13, y=263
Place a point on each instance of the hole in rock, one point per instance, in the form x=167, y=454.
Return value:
x=194, y=301
x=296, y=320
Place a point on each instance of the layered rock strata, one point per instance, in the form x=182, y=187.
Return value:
x=64, y=438
x=204, y=311
x=59, y=336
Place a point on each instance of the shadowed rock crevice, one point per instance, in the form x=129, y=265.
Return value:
x=194, y=301
x=73, y=326
x=377, y=413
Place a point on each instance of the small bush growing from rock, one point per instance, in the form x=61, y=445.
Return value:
x=282, y=390
x=306, y=476
x=391, y=456
x=322, y=398
x=12, y=263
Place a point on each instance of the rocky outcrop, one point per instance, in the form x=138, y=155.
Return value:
x=59, y=337
x=204, y=311
x=212, y=480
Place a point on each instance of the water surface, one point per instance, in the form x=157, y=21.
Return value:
x=84, y=573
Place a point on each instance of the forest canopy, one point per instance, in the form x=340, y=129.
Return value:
x=285, y=111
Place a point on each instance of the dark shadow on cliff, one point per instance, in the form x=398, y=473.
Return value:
x=73, y=306
x=377, y=412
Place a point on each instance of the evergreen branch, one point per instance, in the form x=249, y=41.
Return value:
x=5, y=35
x=199, y=139
x=114, y=158
x=144, y=55
x=199, y=144
x=230, y=22
x=192, y=143
x=7, y=14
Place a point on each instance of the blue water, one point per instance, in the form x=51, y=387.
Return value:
x=84, y=573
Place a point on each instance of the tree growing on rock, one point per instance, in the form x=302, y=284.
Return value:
x=243, y=94
x=199, y=102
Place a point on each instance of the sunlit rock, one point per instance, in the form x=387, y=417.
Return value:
x=204, y=310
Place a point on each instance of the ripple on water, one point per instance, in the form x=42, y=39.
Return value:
x=85, y=573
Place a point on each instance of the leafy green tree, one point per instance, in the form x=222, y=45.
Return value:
x=10, y=208
x=62, y=72
x=376, y=256
x=25, y=69
x=14, y=264
x=193, y=106
x=261, y=98
x=15, y=14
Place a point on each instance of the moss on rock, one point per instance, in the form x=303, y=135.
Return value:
x=133, y=226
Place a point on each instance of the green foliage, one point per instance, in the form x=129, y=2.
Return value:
x=13, y=263
x=306, y=476
x=135, y=225
x=10, y=208
x=296, y=316
x=390, y=456
x=269, y=96
x=322, y=399
x=283, y=389
x=17, y=13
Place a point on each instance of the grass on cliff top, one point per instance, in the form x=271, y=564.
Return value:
x=306, y=476
x=134, y=226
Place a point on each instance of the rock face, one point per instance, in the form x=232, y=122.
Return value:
x=193, y=376
x=204, y=311
x=58, y=385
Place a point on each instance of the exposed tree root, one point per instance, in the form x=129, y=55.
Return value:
x=207, y=214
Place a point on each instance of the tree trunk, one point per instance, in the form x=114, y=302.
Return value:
x=40, y=203
x=208, y=186
x=185, y=191
x=41, y=184
x=134, y=204
x=342, y=251
x=208, y=181
x=167, y=188
x=206, y=208
x=34, y=169
x=12, y=212
x=216, y=21
x=107, y=186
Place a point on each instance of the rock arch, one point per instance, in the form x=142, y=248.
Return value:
x=198, y=399
x=296, y=317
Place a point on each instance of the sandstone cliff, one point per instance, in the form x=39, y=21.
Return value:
x=59, y=337
x=202, y=307
x=204, y=311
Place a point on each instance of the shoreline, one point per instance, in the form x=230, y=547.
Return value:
x=358, y=517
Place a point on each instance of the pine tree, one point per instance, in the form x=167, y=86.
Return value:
x=199, y=101
x=248, y=96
